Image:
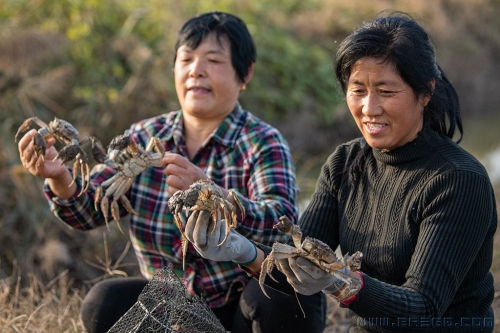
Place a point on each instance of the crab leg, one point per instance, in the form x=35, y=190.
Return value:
x=232, y=195
x=115, y=212
x=98, y=197
x=265, y=269
x=104, y=210
x=128, y=206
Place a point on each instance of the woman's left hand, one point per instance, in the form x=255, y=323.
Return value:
x=181, y=172
x=305, y=276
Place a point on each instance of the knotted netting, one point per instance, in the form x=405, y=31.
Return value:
x=164, y=305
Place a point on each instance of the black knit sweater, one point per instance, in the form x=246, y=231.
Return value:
x=424, y=216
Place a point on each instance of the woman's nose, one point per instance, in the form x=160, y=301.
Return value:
x=197, y=68
x=371, y=105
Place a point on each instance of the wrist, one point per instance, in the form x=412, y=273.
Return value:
x=346, y=291
x=248, y=256
x=62, y=185
x=353, y=293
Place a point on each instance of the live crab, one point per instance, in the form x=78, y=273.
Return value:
x=67, y=134
x=205, y=195
x=314, y=250
x=129, y=159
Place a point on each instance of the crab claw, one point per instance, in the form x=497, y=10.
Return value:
x=70, y=152
x=288, y=227
x=39, y=145
x=98, y=151
x=26, y=124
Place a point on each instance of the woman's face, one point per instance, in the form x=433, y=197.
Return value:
x=385, y=108
x=205, y=80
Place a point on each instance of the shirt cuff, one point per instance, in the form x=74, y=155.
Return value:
x=346, y=302
x=58, y=201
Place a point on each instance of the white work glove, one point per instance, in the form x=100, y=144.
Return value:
x=201, y=233
x=307, y=278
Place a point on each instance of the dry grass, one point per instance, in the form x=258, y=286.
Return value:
x=39, y=308
x=32, y=306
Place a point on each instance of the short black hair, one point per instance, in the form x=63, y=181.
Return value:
x=398, y=39
x=243, y=52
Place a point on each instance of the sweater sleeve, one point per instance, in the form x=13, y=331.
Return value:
x=456, y=221
x=320, y=219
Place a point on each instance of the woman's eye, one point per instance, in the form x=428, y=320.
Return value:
x=387, y=92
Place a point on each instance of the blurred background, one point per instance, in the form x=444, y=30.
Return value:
x=102, y=65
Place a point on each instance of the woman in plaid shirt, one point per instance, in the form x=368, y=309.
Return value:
x=211, y=137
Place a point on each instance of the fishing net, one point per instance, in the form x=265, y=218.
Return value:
x=165, y=306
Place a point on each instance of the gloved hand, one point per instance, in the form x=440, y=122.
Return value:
x=307, y=278
x=200, y=232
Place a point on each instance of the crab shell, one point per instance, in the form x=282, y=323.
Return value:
x=205, y=195
x=130, y=160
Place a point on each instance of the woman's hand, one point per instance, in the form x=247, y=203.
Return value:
x=59, y=177
x=208, y=240
x=181, y=173
x=306, y=277
x=40, y=166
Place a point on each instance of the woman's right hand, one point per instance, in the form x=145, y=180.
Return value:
x=40, y=166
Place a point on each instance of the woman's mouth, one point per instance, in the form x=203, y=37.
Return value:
x=198, y=91
x=374, y=128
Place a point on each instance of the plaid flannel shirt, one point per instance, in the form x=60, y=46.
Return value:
x=244, y=154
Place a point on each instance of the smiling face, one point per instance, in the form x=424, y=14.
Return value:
x=205, y=80
x=385, y=108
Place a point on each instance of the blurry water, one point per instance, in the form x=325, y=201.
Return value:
x=492, y=164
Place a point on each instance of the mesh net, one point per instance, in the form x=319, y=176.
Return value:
x=165, y=306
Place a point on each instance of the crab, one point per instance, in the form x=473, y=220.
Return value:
x=67, y=134
x=129, y=159
x=314, y=250
x=205, y=195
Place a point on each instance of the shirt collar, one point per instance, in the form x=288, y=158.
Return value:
x=226, y=134
x=419, y=148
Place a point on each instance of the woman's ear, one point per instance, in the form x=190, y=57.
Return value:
x=250, y=73
x=426, y=98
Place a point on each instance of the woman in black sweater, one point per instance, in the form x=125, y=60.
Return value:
x=419, y=207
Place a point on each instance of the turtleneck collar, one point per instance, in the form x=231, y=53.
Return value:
x=419, y=148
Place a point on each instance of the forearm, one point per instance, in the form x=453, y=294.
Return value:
x=77, y=211
x=257, y=264
x=270, y=188
x=63, y=187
